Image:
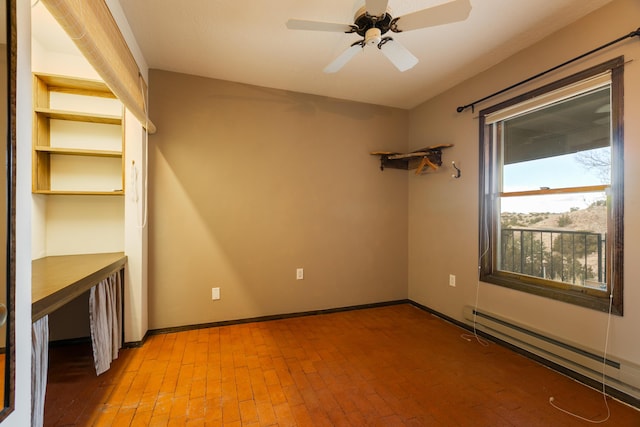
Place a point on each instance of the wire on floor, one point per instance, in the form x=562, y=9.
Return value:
x=604, y=365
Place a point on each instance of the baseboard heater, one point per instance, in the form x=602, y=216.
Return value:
x=620, y=374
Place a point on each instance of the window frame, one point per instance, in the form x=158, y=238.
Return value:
x=489, y=224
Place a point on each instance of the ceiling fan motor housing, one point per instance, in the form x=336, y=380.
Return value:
x=365, y=22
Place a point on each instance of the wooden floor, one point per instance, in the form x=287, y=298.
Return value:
x=387, y=366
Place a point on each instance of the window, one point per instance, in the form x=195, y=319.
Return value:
x=552, y=190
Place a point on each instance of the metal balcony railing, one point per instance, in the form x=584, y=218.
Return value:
x=574, y=257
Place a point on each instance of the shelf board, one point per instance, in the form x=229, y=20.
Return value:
x=80, y=193
x=79, y=116
x=77, y=151
x=421, y=158
x=81, y=86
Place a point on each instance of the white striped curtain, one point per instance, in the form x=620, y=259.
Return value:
x=105, y=315
x=39, y=368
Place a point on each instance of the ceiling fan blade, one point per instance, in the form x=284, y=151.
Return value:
x=343, y=58
x=454, y=11
x=398, y=55
x=376, y=7
x=301, y=24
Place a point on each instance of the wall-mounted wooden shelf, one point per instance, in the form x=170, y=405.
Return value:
x=430, y=157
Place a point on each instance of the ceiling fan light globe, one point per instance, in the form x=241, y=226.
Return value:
x=373, y=36
x=374, y=41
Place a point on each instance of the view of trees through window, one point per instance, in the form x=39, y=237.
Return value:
x=565, y=247
x=551, y=211
x=559, y=236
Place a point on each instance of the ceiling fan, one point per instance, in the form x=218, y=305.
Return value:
x=374, y=19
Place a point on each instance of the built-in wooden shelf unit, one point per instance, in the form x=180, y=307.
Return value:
x=77, y=137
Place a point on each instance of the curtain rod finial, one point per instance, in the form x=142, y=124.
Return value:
x=461, y=108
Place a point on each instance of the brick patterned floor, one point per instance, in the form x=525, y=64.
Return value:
x=387, y=366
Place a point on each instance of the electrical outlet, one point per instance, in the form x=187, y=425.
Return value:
x=452, y=280
x=299, y=273
x=215, y=293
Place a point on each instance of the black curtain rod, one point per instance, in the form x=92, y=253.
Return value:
x=627, y=36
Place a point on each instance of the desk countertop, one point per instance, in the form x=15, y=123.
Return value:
x=56, y=280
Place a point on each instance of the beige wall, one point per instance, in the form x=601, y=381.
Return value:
x=443, y=227
x=247, y=184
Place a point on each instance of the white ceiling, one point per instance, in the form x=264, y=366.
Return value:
x=246, y=41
